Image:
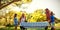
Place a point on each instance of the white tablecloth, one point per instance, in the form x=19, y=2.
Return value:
x=34, y=24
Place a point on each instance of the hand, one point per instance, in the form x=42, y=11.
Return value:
x=48, y=20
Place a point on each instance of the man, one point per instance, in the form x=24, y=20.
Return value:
x=47, y=16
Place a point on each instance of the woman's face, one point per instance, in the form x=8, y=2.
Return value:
x=22, y=15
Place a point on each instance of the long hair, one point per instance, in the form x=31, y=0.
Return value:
x=23, y=16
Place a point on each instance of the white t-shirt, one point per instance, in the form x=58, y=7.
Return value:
x=23, y=19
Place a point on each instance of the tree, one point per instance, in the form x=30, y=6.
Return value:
x=38, y=16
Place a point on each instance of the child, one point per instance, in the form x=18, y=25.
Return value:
x=15, y=21
x=52, y=21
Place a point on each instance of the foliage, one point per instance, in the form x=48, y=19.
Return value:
x=38, y=16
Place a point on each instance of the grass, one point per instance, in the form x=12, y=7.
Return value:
x=12, y=28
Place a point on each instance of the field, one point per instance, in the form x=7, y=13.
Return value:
x=12, y=28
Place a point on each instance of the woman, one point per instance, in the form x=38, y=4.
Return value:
x=22, y=19
x=15, y=21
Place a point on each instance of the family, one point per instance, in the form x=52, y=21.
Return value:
x=22, y=19
x=49, y=15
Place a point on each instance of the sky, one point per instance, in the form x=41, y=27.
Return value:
x=53, y=5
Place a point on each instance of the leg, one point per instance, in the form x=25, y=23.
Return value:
x=15, y=28
x=24, y=28
x=46, y=27
x=52, y=26
x=21, y=27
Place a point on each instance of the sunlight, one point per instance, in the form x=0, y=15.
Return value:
x=39, y=4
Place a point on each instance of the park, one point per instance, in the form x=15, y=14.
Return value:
x=34, y=12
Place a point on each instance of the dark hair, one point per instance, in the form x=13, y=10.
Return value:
x=52, y=13
x=15, y=15
x=46, y=9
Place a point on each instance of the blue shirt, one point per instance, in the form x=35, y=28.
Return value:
x=15, y=21
x=52, y=18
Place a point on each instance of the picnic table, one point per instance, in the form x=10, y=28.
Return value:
x=34, y=24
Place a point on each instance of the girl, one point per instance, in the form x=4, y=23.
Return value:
x=22, y=19
x=15, y=21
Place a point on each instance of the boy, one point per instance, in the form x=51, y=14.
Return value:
x=52, y=21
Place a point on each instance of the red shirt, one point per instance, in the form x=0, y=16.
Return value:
x=47, y=14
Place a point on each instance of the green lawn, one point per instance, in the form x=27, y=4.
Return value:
x=11, y=28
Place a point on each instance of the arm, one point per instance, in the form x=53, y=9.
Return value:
x=19, y=21
x=25, y=19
